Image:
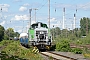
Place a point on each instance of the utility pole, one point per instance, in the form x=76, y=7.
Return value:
x=53, y=32
x=9, y=33
x=63, y=17
x=72, y=27
x=1, y=12
x=35, y=14
x=86, y=26
x=66, y=31
x=74, y=21
x=23, y=26
x=49, y=13
x=1, y=9
x=30, y=17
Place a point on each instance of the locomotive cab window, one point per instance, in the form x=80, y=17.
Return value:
x=33, y=26
x=44, y=25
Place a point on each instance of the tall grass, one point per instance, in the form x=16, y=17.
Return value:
x=13, y=48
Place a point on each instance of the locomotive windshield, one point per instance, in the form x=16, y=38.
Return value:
x=36, y=25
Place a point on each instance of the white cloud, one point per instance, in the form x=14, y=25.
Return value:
x=17, y=0
x=53, y=20
x=22, y=8
x=60, y=5
x=84, y=6
x=25, y=17
x=17, y=17
x=5, y=7
x=2, y=23
x=33, y=22
x=27, y=4
x=19, y=31
x=56, y=23
x=20, y=17
x=5, y=16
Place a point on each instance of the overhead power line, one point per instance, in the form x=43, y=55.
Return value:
x=42, y=5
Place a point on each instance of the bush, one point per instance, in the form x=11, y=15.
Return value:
x=4, y=56
x=77, y=51
x=1, y=32
x=63, y=46
x=13, y=48
x=5, y=42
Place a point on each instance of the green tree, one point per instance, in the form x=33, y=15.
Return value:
x=10, y=33
x=1, y=32
x=77, y=32
x=16, y=34
x=85, y=25
x=64, y=33
x=55, y=32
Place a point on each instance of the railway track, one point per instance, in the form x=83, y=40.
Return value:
x=56, y=56
x=80, y=46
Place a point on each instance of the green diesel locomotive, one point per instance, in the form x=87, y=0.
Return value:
x=39, y=36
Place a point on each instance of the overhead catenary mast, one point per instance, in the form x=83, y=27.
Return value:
x=35, y=13
x=74, y=25
x=86, y=26
x=1, y=13
x=49, y=13
x=63, y=17
x=30, y=17
x=1, y=9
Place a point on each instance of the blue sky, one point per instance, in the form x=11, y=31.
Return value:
x=15, y=13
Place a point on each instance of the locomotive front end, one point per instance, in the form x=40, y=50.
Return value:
x=41, y=37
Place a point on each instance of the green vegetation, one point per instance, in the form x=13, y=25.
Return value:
x=86, y=53
x=78, y=36
x=10, y=34
x=7, y=34
x=15, y=50
x=85, y=25
x=1, y=32
x=63, y=46
x=4, y=56
x=77, y=51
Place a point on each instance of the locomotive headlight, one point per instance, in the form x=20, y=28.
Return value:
x=46, y=37
x=42, y=32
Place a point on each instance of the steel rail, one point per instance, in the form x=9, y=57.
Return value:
x=69, y=58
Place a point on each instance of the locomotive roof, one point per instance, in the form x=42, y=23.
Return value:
x=36, y=24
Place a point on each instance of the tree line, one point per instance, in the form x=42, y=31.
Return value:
x=56, y=32
x=7, y=34
x=84, y=30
